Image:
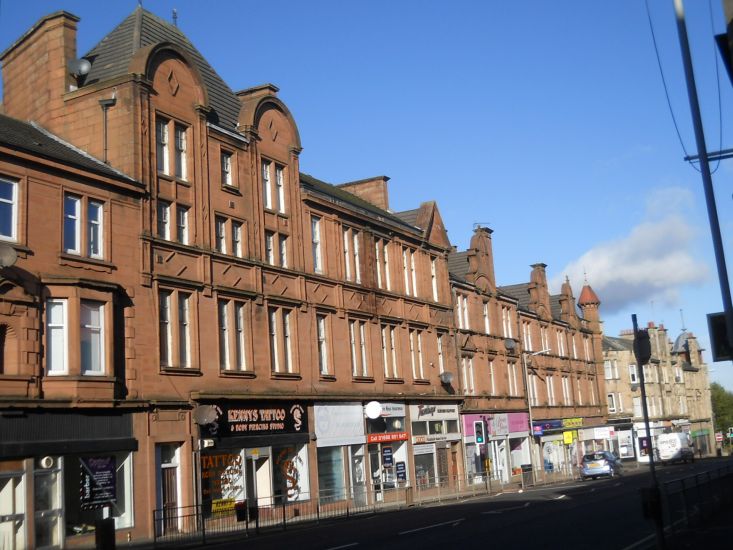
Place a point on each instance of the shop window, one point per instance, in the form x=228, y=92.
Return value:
x=331, y=474
x=48, y=502
x=419, y=428
x=86, y=477
x=8, y=210
x=83, y=226
x=13, y=509
x=290, y=473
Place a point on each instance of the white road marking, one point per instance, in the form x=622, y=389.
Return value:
x=509, y=509
x=452, y=523
x=559, y=497
x=343, y=546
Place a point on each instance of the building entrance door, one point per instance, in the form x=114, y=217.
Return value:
x=169, y=481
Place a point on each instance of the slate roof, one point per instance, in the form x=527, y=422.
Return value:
x=409, y=216
x=458, y=265
x=339, y=196
x=35, y=140
x=519, y=292
x=610, y=343
x=111, y=57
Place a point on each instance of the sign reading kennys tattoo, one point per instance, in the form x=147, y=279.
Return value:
x=243, y=418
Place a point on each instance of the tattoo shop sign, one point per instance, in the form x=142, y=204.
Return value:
x=258, y=418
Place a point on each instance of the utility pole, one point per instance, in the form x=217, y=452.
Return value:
x=651, y=498
x=705, y=170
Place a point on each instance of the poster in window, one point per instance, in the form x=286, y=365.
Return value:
x=97, y=482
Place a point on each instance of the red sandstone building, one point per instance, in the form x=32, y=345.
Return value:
x=196, y=320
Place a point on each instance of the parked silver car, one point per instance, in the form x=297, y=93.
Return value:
x=600, y=463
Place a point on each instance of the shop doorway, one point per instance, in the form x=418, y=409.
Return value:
x=358, y=477
x=258, y=478
x=168, y=459
x=499, y=461
x=12, y=511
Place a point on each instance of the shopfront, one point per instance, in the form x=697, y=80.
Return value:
x=340, y=442
x=506, y=449
x=254, y=451
x=435, y=443
x=386, y=447
x=61, y=472
x=560, y=445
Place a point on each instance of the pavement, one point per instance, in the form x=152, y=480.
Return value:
x=716, y=533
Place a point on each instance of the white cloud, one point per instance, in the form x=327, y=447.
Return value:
x=653, y=262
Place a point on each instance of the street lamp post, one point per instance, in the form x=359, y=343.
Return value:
x=529, y=408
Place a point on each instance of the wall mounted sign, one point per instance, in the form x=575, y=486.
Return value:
x=245, y=418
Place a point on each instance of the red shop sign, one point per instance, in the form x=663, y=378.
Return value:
x=381, y=438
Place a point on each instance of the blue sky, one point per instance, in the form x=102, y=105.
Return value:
x=546, y=121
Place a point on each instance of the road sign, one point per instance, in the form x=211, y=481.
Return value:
x=719, y=436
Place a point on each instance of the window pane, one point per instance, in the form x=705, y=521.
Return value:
x=92, y=337
x=165, y=328
x=8, y=208
x=94, y=223
x=240, y=336
x=221, y=235
x=223, y=335
x=182, y=225
x=183, y=330
x=56, y=337
x=163, y=222
x=71, y=224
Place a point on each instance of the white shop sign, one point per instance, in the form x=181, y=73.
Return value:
x=339, y=424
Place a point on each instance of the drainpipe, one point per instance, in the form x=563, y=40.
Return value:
x=106, y=104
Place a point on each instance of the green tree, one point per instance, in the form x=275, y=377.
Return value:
x=722, y=407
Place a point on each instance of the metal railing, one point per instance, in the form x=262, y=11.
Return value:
x=687, y=502
x=199, y=523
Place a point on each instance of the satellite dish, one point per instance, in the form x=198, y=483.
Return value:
x=8, y=255
x=510, y=344
x=373, y=409
x=205, y=414
x=79, y=67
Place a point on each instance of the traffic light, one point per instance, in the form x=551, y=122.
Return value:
x=478, y=431
x=642, y=347
x=722, y=349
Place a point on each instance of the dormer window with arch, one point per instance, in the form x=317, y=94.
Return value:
x=273, y=186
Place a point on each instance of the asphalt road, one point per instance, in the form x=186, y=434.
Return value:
x=578, y=515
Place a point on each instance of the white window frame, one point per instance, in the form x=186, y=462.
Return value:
x=267, y=184
x=282, y=250
x=184, y=329
x=322, y=343
x=416, y=358
x=633, y=374
x=220, y=234
x=270, y=247
x=527, y=335
x=165, y=328
x=434, y=278
x=566, y=394
x=611, y=399
x=95, y=229
x=180, y=133
x=357, y=341
x=89, y=331
x=492, y=380
x=550, y=381
x=441, y=360
x=57, y=361
x=75, y=219
x=162, y=146
x=533, y=390
x=226, y=169
x=237, y=239
x=13, y=202
x=163, y=212
x=182, y=224
x=469, y=387
x=487, y=322
x=389, y=352
x=281, y=359
x=280, y=186
x=512, y=379
x=506, y=321
x=316, y=244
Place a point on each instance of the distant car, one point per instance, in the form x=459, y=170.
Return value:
x=600, y=463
